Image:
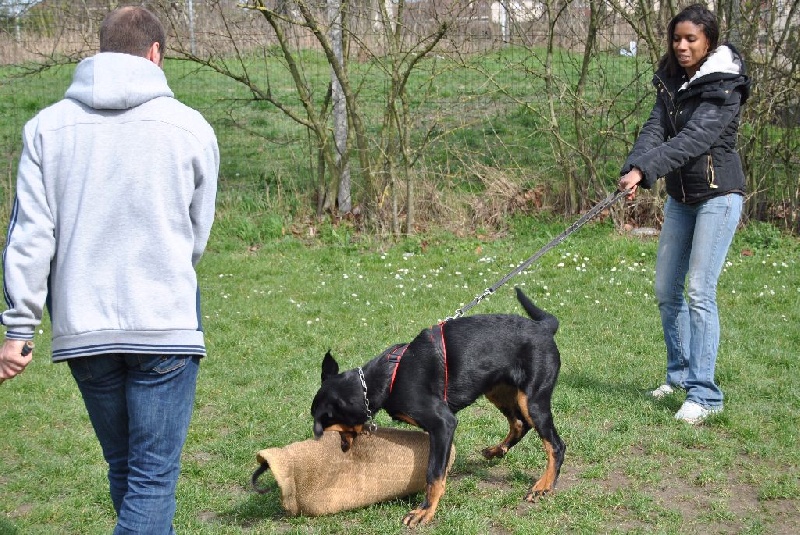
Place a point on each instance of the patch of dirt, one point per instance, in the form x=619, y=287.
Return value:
x=497, y=478
x=725, y=504
x=731, y=505
x=21, y=511
x=786, y=515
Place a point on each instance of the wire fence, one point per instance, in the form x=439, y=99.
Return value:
x=548, y=88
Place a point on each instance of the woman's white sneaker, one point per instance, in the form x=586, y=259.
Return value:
x=694, y=413
x=662, y=391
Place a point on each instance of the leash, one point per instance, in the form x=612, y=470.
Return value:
x=591, y=214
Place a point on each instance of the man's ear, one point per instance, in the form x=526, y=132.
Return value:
x=155, y=54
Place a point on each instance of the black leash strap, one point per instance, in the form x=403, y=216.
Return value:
x=591, y=214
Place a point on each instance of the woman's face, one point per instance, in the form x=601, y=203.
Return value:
x=690, y=45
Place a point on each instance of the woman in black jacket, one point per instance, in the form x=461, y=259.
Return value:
x=690, y=139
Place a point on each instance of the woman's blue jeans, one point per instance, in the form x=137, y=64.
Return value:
x=140, y=407
x=691, y=254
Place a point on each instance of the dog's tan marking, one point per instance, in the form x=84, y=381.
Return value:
x=341, y=428
x=424, y=513
x=547, y=482
x=548, y=479
x=522, y=403
x=510, y=401
x=406, y=418
x=347, y=433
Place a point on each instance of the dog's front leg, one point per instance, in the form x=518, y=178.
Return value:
x=441, y=441
x=424, y=513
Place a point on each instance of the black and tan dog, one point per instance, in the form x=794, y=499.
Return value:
x=512, y=360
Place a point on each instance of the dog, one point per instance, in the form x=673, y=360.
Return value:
x=512, y=360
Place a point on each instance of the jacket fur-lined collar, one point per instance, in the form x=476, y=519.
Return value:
x=723, y=71
x=721, y=61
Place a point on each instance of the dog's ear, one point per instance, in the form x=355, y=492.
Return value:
x=329, y=366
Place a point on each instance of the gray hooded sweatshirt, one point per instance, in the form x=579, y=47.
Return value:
x=115, y=200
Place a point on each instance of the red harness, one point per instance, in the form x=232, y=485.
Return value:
x=394, y=357
x=437, y=337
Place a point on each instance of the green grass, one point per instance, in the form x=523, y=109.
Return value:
x=271, y=313
x=274, y=303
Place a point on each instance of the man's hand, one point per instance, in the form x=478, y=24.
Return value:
x=12, y=360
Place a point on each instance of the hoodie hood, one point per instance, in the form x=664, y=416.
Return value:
x=114, y=81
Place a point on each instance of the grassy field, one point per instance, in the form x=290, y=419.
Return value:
x=280, y=289
x=272, y=311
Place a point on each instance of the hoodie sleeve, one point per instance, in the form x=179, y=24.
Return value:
x=30, y=244
x=204, y=198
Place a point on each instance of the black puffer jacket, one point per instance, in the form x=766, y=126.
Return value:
x=690, y=136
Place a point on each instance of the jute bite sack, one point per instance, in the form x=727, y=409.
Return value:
x=317, y=478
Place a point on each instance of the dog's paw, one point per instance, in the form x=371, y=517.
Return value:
x=535, y=494
x=418, y=517
x=495, y=452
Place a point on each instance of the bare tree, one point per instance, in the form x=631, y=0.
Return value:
x=404, y=51
x=336, y=122
x=323, y=65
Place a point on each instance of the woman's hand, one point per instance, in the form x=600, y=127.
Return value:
x=630, y=182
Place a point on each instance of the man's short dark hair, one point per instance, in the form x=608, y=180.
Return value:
x=131, y=30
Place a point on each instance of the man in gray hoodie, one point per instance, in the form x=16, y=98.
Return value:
x=114, y=205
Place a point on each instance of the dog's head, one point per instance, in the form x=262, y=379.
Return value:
x=339, y=403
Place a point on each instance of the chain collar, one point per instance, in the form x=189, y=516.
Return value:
x=371, y=426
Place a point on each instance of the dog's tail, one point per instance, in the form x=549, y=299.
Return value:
x=536, y=313
x=263, y=467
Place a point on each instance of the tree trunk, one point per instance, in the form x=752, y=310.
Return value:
x=344, y=199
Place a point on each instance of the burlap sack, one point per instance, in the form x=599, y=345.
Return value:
x=317, y=478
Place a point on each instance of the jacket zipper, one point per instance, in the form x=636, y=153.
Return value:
x=672, y=112
x=672, y=108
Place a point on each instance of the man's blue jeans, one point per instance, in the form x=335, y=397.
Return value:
x=140, y=407
x=691, y=254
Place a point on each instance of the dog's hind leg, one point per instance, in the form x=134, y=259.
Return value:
x=513, y=404
x=542, y=418
x=524, y=414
